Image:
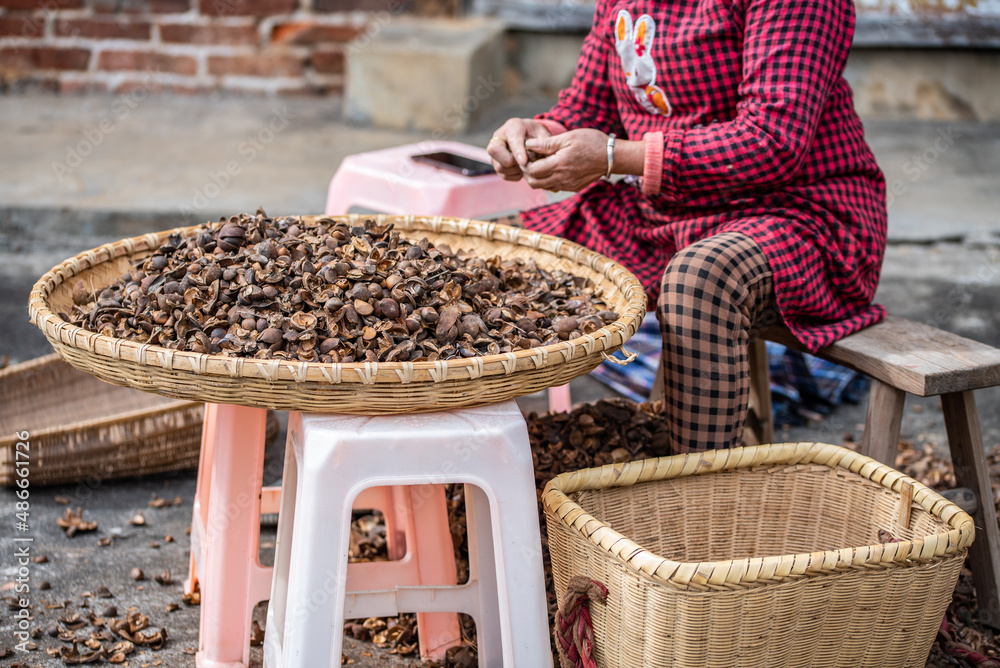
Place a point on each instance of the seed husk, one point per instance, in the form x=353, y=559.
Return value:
x=329, y=291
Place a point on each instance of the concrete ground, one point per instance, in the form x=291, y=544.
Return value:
x=76, y=172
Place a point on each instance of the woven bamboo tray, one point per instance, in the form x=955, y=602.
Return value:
x=758, y=556
x=83, y=430
x=366, y=388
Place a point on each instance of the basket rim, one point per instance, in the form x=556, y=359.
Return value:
x=747, y=572
x=119, y=418
x=169, y=406
x=112, y=350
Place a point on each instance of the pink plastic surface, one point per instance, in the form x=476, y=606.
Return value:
x=225, y=535
x=388, y=181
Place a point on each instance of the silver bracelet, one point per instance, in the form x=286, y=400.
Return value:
x=611, y=154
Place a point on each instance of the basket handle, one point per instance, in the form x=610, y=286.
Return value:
x=629, y=356
x=905, y=503
x=574, y=630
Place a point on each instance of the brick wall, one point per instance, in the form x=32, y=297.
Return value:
x=277, y=46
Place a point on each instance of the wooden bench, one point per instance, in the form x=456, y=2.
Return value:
x=904, y=357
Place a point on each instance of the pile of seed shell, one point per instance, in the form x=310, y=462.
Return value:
x=324, y=291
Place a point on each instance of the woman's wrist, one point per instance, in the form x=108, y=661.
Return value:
x=629, y=157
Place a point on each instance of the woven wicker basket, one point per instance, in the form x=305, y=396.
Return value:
x=84, y=430
x=360, y=388
x=758, y=556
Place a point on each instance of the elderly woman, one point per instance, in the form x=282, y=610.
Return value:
x=750, y=193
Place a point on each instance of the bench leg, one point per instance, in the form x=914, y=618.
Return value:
x=656, y=393
x=759, y=427
x=966, y=442
x=885, y=416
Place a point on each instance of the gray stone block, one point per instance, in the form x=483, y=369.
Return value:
x=425, y=74
x=544, y=62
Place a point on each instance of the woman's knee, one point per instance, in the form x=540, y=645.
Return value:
x=710, y=268
x=720, y=279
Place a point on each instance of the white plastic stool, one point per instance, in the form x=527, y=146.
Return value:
x=329, y=459
x=388, y=181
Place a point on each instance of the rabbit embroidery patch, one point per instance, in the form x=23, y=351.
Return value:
x=634, y=46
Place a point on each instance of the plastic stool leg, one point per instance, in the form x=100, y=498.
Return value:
x=388, y=501
x=517, y=545
x=277, y=608
x=559, y=399
x=201, y=496
x=434, y=553
x=232, y=530
x=309, y=626
x=483, y=572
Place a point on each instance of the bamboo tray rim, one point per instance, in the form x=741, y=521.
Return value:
x=605, y=340
x=746, y=572
x=163, y=405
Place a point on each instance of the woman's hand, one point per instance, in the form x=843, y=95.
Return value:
x=570, y=161
x=507, y=150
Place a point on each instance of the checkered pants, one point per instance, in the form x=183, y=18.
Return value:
x=715, y=294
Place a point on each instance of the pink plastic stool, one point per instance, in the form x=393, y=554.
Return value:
x=388, y=181
x=225, y=536
x=559, y=399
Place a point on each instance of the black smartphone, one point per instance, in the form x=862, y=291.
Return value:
x=455, y=163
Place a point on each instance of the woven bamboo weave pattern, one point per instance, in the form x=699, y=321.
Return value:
x=360, y=387
x=84, y=430
x=758, y=556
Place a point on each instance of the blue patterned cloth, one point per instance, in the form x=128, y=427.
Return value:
x=803, y=387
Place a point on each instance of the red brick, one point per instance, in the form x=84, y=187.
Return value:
x=146, y=60
x=141, y=6
x=27, y=25
x=263, y=65
x=103, y=28
x=246, y=7
x=80, y=87
x=328, y=61
x=145, y=84
x=49, y=5
x=44, y=58
x=312, y=33
x=185, y=33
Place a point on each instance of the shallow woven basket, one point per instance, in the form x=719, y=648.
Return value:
x=758, y=556
x=83, y=430
x=362, y=387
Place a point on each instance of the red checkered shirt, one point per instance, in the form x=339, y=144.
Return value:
x=749, y=128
